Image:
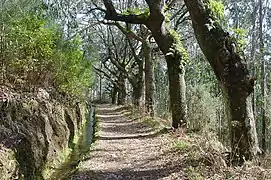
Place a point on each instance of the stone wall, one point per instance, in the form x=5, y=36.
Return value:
x=36, y=133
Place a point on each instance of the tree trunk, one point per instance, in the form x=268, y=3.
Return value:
x=137, y=92
x=122, y=90
x=100, y=83
x=232, y=73
x=177, y=91
x=136, y=80
x=252, y=59
x=114, y=92
x=263, y=76
x=177, y=88
x=149, y=85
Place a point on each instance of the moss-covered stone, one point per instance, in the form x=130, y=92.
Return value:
x=8, y=164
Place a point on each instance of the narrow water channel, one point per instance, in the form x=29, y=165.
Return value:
x=82, y=147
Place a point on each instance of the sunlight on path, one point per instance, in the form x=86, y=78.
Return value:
x=126, y=149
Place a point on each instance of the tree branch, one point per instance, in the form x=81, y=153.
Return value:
x=99, y=71
x=137, y=59
x=179, y=12
x=94, y=9
x=111, y=14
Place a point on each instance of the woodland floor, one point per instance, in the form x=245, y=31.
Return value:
x=132, y=149
x=129, y=149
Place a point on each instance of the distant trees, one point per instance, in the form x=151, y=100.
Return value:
x=169, y=43
x=120, y=62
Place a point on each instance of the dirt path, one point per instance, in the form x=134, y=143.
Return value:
x=128, y=150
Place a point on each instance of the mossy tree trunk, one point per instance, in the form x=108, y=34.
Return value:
x=177, y=90
x=149, y=86
x=121, y=89
x=232, y=73
x=169, y=45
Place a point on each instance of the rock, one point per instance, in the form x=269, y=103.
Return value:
x=42, y=94
x=38, y=133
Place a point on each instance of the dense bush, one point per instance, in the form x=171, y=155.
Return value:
x=37, y=55
x=201, y=108
x=206, y=113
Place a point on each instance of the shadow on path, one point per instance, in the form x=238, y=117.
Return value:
x=126, y=150
x=131, y=174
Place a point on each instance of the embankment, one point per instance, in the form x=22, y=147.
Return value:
x=37, y=132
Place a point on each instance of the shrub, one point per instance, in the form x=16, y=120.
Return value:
x=38, y=55
x=202, y=109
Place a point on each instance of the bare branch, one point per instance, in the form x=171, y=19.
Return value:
x=97, y=8
x=128, y=33
x=179, y=12
x=137, y=59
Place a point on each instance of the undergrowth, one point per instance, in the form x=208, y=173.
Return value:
x=182, y=145
x=206, y=158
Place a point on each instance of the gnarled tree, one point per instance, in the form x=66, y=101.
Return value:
x=169, y=43
x=232, y=73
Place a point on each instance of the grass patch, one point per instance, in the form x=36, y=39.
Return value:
x=181, y=145
x=193, y=173
x=134, y=114
x=149, y=121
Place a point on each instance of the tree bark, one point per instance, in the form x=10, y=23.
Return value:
x=149, y=85
x=177, y=91
x=121, y=90
x=263, y=76
x=252, y=58
x=168, y=45
x=137, y=88
x=100, y=83
x=177, y=88
x=232, y=73
x=136, y=80
x=114, y=92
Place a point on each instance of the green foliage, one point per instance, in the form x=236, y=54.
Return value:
x=29, y=47
x=167, y=17
x=217, y=8
x=181, y=145
x=193, y=173
x=38, y=55
x=178, y=46
x=202, y=109
x=72, y=69
x=138, y=11
x=150, y=122
x=239, y=36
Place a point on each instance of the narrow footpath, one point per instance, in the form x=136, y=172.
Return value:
x=128, y=149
